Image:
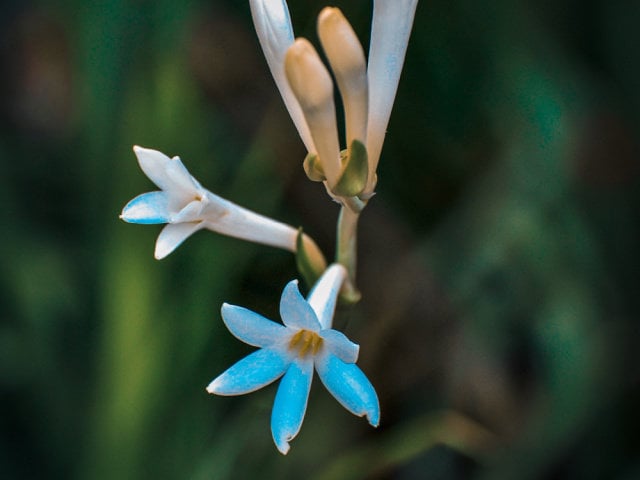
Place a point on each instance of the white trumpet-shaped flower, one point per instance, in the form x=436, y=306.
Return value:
x=186, y=207
x=306, y=342
x=367, y=92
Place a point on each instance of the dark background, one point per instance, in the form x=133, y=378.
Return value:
x=498, y=262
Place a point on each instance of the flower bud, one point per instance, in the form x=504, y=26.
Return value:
x=346, y=57
x=311, y=84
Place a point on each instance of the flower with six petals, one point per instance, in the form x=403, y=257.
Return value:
x=292, y=351
x=186, y=207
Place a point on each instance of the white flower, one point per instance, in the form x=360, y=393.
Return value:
x=187, y=207
x=368, y=99
x=292, y=351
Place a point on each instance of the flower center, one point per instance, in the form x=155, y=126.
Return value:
x=305, y=342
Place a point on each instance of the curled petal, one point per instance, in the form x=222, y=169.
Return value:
x=253, y=372
x=172, y=236
x=392, y=22
x=325, y=293
x=290, y=404
x=251, y=327
x=148, y=208
x=349, y=385
x=167, y=173
x=273, y=26
x=312, y=85
x=295, y=311
x=338, y=344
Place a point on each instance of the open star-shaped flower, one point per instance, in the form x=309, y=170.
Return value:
x=186, y=207
x=292, y=351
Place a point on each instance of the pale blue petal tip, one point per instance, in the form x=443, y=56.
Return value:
x=143, y=221
x=290, y=404
x=148, y=208
x=250, y=374
x=282, y=445
x=350, y=386
x=251, y=327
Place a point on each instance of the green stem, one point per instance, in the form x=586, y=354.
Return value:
x=347, y=250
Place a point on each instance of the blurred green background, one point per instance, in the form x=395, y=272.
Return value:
x=499, y=262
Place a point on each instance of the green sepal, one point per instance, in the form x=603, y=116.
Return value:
x=355, y=169
x=313, y=168
x=309, y=271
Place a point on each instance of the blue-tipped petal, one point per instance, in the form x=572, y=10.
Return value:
x=295, y=311
x=337, y=343
x=290, y=404
x=251, y=327
x=172, y=236
x=250, y=374
x=350, y=386
x=148, y=208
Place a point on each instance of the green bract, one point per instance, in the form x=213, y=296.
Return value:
x=353, y=178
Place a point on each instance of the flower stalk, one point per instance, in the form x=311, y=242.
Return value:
x=346, y=251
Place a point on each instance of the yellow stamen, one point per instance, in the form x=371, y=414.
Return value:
x=305, y=342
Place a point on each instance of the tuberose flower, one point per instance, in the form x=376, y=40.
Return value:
x=292, y=351
x=367, y=92
x=186, y=207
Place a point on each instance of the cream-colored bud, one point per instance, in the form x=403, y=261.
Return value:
x=312, y=86
x=346, y=57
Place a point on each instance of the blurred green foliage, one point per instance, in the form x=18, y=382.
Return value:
x=498, y=262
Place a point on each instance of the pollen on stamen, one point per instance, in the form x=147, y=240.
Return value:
x=305, y=342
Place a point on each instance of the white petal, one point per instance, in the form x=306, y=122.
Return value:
x=392, y=22
x=191, y=212
x=148, y=208
x=338, y=344
x=295, y=311
x=325, y=292
x=252, y=328
x=290, y=404
x=172, y=236
x=273, y=26
x=346, y=57
x=167, y=173
x=313, y=87
x=350, y=386
x=250, y=374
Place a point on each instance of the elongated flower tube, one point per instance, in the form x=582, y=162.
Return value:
x=292, y=351
x=368, y=99
x=186, y=207
x=275, y=33
x=390, y=30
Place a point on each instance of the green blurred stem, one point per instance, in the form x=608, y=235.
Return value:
x=346, y=250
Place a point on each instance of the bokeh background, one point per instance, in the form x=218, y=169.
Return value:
x=499, y=262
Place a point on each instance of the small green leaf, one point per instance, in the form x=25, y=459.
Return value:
x=355, y=170
x=306, y=266
x=313, y=168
